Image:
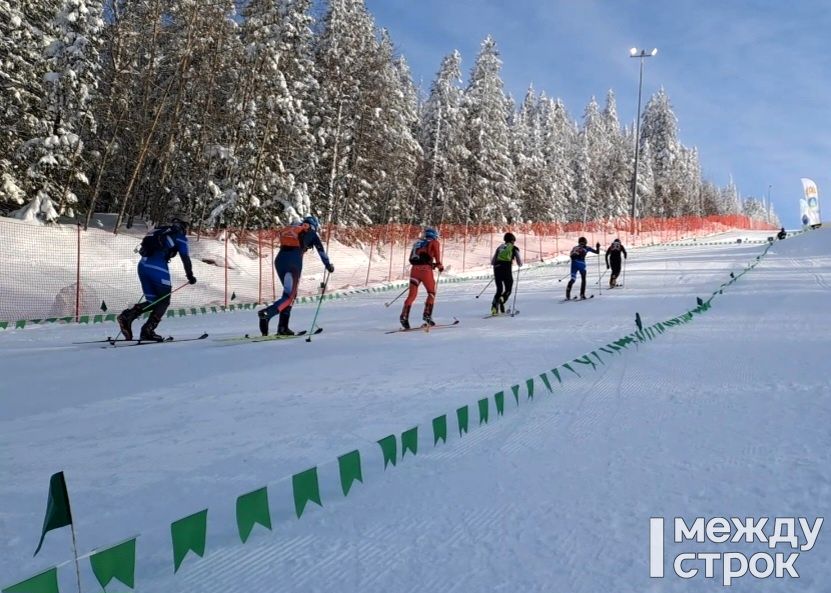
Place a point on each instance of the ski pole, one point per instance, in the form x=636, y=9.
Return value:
x=624, y=271
x=326, y=276
x=149, y=306
x=516, y=291
x=601, y=276
x=166, y=296
x=484, y=289
x=599, y=285
x=399, y=296
x=564, y=277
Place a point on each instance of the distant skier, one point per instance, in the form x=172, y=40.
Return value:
x=157, y=249
x=295, y=241
x=613, y=257
x=578, y=264
x=425, y=256
x=502, y=262
x=781, y=234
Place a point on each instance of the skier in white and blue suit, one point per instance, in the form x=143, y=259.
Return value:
x=157, y=249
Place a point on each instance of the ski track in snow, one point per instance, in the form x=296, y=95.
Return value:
x=725, y=416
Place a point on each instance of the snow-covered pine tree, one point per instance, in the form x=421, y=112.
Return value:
x=532, y=184
x=270, y=145
x=25, y=26
x=442, y=175
x=57, y=162
x=660, y=128
x=346, y=53
x=729, y=201
x=646, y=205
x=201, y=44
x=491, y=188
x=619, y=165
x=559, y=135
x=385, y=153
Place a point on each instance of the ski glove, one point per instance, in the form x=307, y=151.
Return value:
x=330, y=268
x=440, y=268
x=607, y=266
x=192, y=279
x=597, y=246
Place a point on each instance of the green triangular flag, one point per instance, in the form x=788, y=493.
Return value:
x=45, y=582
x=58, y=513
x=546, y=382
x=350, y=470
x=104, y=309
x=515, y=391
x=189, y=534
x=557, y=374
x=440, y=429
x=409, y=442
x=529, y=385
x=306, y=488
x=252, y=509
x=389, y=448
x=568, y=366
x=462, y=417
x=499, y=400
x=483, y=411
x=118, y=562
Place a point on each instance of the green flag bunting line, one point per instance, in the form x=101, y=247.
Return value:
x=189, y=534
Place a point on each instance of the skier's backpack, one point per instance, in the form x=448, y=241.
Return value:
x=290, y=235
x=578, y=251
x=419, y=254
x=156, y=241
x=505, y=253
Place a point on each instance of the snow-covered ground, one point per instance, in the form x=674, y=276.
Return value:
x=726, y=416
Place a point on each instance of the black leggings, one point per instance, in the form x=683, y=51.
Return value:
x=504, y=278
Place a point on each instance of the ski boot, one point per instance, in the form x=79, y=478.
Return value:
x=405, y=317
x=148, y=330
x=283, y=325
x=568, y=289
x=126, y=318
x=428, y=315
x=502, y=304
x=263, y=317
x=494, y=311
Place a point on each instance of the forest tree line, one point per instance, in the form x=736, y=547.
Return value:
x=251, y=114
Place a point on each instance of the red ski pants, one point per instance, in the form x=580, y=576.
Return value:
x=421, y=274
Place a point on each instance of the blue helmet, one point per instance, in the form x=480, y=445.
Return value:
x=313, y=222
x=431, y=233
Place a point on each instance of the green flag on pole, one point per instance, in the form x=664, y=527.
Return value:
x=45, y=582
x=58, y=513
x=117, y=562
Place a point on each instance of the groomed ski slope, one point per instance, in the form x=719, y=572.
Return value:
x=726, y=416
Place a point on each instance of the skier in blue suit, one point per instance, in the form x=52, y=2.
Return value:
x=578, y=264
x=295, y=241
x=157, y=249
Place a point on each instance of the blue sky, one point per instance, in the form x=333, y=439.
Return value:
x=750, y=81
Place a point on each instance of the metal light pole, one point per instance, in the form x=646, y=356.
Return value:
x=641, y=54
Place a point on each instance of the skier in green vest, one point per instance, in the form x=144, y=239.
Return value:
x=502, y=262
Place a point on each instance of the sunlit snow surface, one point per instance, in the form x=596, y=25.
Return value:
x=729, y=415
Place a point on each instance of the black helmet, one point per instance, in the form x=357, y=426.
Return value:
x=509, y=238
x=582, y=241
x=181, y=221
x=616, y=241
